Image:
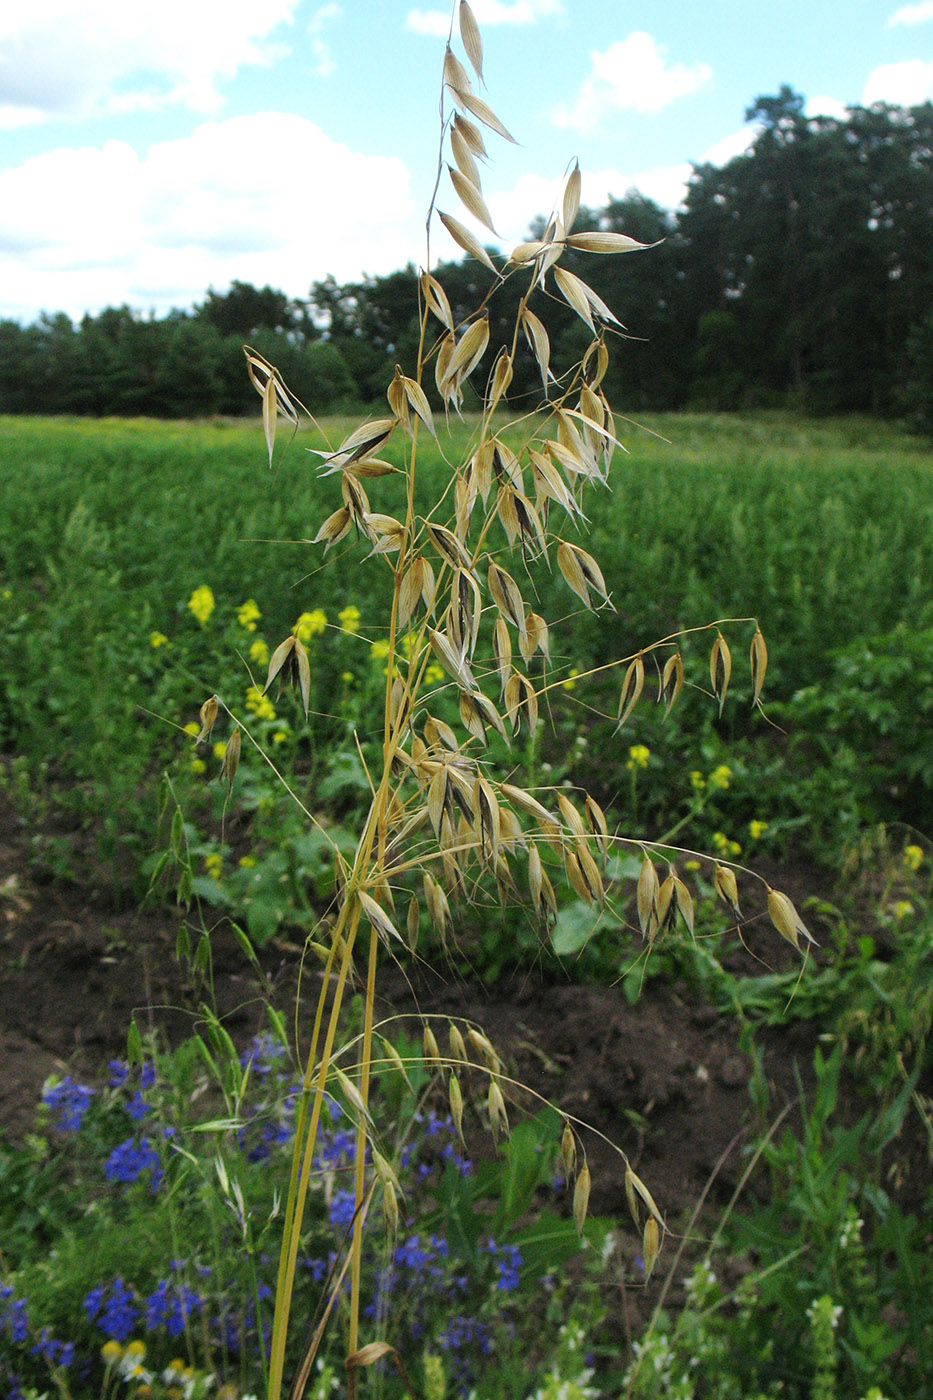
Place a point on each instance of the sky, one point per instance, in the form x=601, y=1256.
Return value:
x=150, y=151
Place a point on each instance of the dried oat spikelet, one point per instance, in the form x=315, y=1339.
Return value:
x=786, y=919
x=208, y=717
x=498, y=1116
x=720, y=668
x=672, y=680
x=290, y=662
x=457, y=1046
x=647, y=898
x=632, y=686
x=581, y=1197
x=455, y=1095
x=758, y=660
x=728, y=890
x=651, y=1245
x=431, y=1049
x=231, y=759
x=568, y=1152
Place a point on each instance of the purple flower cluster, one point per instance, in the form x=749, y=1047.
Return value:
x=68, y=1101
x=130, y=1159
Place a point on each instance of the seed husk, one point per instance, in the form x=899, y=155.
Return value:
x=581, y=1198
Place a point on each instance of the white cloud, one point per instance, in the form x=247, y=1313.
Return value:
x=630, y=75
x=324, y=63
x=265, y=198
x=904, y=84
x=487, y=12
x=825, y=106
x=918, y=13
x=58, y=58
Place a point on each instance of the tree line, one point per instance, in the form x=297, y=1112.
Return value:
x=800, y=274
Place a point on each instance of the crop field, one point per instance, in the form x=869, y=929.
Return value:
x=145, y=567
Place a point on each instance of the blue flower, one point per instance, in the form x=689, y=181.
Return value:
x=137, y=1107
x=15, y=1318
x=116, y=1317
x=119, y=1072
x=130, y=1159
x=342, y=1208
x=70, y=1101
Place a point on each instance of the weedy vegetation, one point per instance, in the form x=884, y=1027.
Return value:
x=413, y=792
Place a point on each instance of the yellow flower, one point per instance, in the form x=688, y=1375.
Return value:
x=192, y=728
x=571, y=682
x=638, y=756
x=757, y=829
x=691, y=865
x=719, y=778
x=158, y=639
x=248, y=614
x=434, y=673
x=247, y=862
x=214, y=865
x=201, y=603
x=697, y=780
x=111, y=1352
x=724, y=846
x=136, y=1350
x=279, y=736
x=310, y=624
x=259, y=652
x=913, y=857
x=349, y=618
x=347, y=677
x=903, y=909
x=258, y=704
x=379, y=651
x=198, y=765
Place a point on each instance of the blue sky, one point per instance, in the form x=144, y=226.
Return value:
x=149, y=151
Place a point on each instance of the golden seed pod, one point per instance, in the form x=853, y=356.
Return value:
x=720, y=668
x=498, y=1117
x=568, y=1152
x=632, y=686
x=231, y=758
x=650, y=1245
x=647, y=897
x=457, y=1046
x=581, y=1198
x=728, y=890
x=207, y=715
x=758, y=659
x=672, y=679
x=413, y=922
x=484, y=1049
x=431, y=1049
x=455, y=1094
x=786, y=920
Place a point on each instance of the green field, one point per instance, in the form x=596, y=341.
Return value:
x=820, y=530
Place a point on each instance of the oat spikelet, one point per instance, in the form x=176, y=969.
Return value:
x=720, y=668
x=647, y=898
x=651, y=1245
x=672, y=680
x=455, y=1094
x=465, y=240
x=786, y=919
x=571, y=200
x=758, y=659
x=581, y=1198
x=728, y=890
x=208, y=716
x=568, y=1152
x=457, y=1046
x=431, y=1049
x=472, y=42
x=599, y=242
x=632, y=686
x=498, y=1117
x=231, y=758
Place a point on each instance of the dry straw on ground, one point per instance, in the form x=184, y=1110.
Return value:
x=445, y=827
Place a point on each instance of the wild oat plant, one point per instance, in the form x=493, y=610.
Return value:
x=446, y=826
